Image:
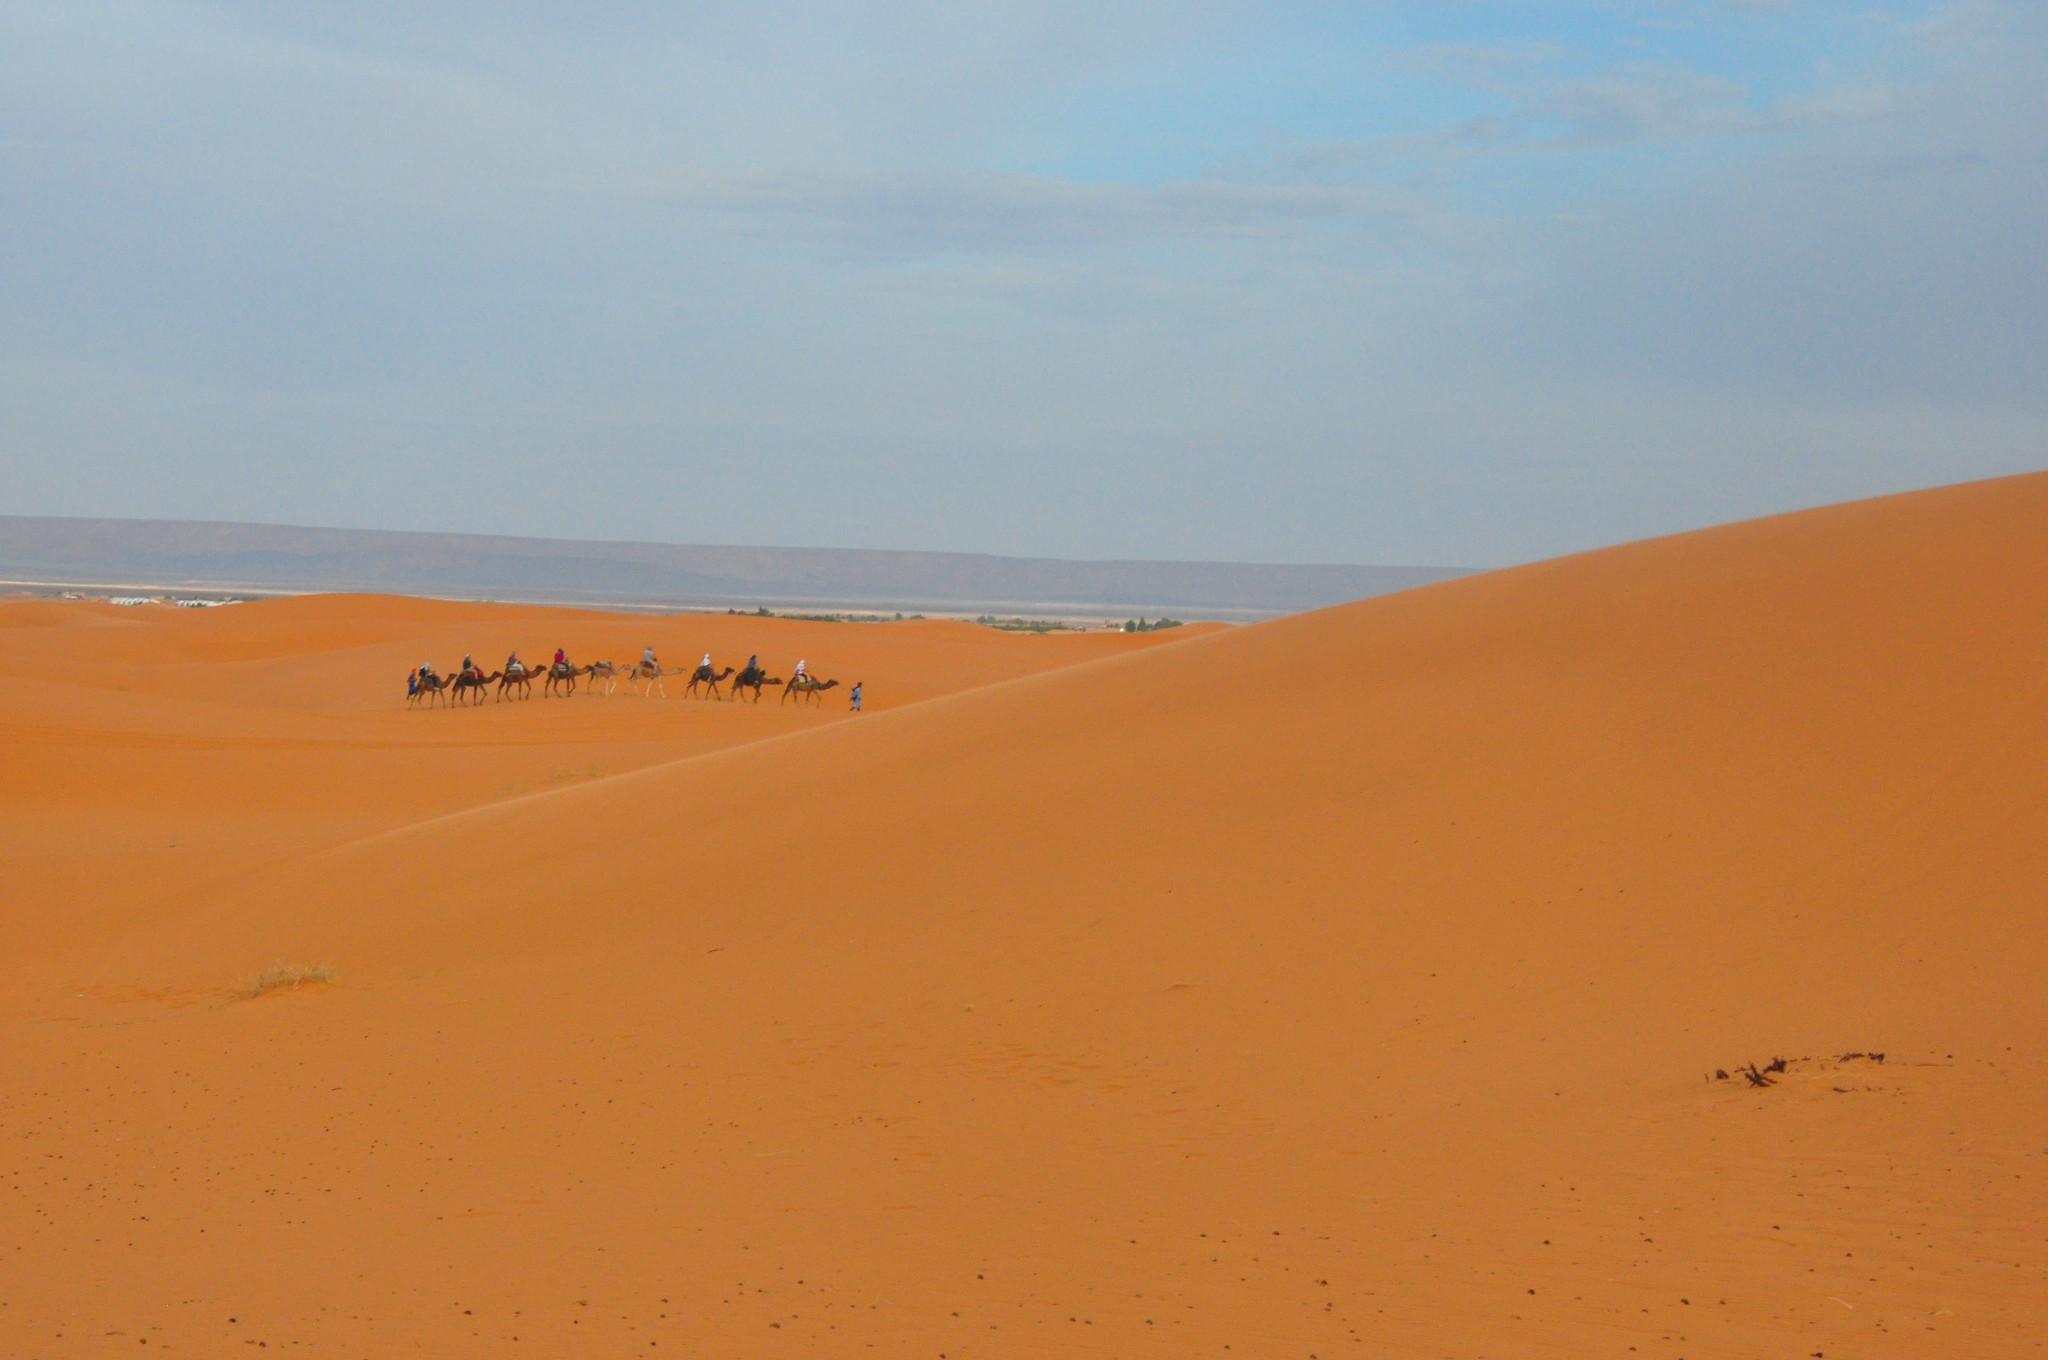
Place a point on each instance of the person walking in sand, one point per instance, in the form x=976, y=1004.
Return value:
x=854, y=698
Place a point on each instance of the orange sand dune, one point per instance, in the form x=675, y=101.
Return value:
x=1347, y=985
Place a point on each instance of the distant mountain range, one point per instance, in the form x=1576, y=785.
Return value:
x=201, y=555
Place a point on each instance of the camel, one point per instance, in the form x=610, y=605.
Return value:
x=429, y=687
x=605, y=671
x=652, y=675
x=806, y=687
x=472, y=683
x=708, y=678
x=753, y=678
x=564, y=677
x=522, y=677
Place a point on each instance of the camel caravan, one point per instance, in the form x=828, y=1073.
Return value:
x=469, y=684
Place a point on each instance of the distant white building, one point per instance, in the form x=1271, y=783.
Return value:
x=133, y=599
x=202, y=604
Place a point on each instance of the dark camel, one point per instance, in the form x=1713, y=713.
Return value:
x=472, y=683
x=563, y=677
x=429, y=687
x=522, y=677
x=753, y=678
x=708, y=678
x=806, y=687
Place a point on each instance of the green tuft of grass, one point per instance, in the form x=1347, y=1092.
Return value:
x=764, y=612
x=1026, y=625
x=283, y=977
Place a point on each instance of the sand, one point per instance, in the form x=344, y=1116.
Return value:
x=1352, y=984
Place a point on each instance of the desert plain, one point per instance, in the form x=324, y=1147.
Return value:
x=1373, y=982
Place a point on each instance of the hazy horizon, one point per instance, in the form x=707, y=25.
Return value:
x=308, y=527
x=1444, y=285
x=215, y=556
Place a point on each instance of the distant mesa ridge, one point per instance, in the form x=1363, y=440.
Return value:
x=193, y=554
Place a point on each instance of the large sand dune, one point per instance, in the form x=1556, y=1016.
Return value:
x=1351, y=984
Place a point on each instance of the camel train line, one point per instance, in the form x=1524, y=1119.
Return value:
x=470, y=685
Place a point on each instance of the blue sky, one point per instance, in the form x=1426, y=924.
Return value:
x=1456, y=283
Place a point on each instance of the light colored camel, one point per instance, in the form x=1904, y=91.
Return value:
x=652, y=677
x=806, y=687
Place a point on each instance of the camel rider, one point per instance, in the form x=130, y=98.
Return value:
x=704, y=666
x=561, y=658
x=754, y=664
x=801, y=673
x=647, y=660
x=512, y=666
x=468, y=664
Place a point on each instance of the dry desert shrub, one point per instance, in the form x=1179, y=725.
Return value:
x=283, y=977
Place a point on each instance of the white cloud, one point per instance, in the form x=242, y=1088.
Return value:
x=1894, y=262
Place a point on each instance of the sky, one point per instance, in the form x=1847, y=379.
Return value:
x=1452, y=283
